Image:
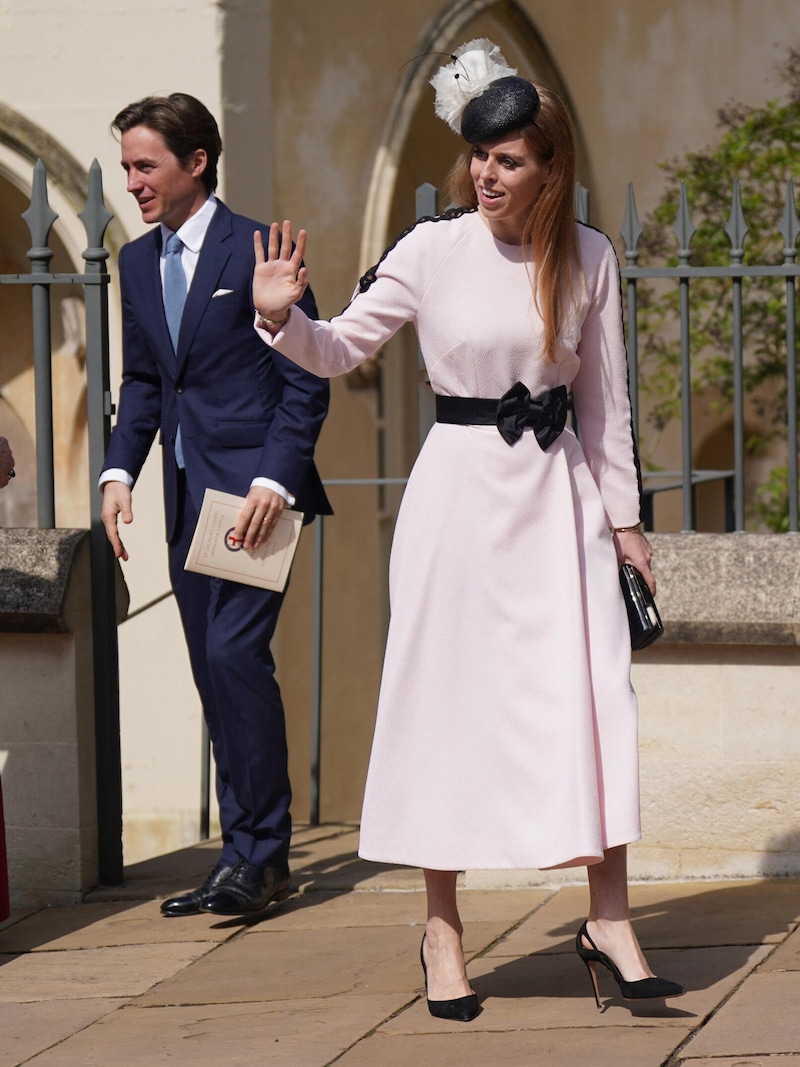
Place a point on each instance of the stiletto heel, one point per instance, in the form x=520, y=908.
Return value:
x=590, y=967
x=644, y=989
x=462, y=1009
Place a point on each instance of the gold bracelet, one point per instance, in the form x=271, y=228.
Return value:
x=263, y=320
x=629, y=529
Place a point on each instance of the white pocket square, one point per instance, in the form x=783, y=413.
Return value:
x=221, y=292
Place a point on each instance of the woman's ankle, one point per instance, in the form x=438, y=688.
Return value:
x=440, y=931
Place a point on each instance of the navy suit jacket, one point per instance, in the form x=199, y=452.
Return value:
x=245, y=411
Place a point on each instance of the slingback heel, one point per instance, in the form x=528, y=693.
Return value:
x=644, y=989
x=461, y=1010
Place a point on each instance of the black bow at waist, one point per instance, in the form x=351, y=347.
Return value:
x=546, y=415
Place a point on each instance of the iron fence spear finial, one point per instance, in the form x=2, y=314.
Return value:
x=40, y=218
x=684, y=229
x=790, y=225
x=631, y=228
x=737, y=225
x=95, y=216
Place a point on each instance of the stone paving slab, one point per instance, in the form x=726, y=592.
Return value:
x=302, y=1033
x=752, y=913
x=761, y=1018
x=325, y=910
x=322, y=963
x=551, y=992
x=305, y=834
x=323, y=857
x=127, y=971
x=738, y=1061
x=551, y=928
x=332, y=864
x=16, y=916
x=553, y=1048
x=163, y=875
x=107, y=924
x=786, y=957
x=29, y=1028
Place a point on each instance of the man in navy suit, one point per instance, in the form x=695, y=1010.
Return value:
x=233, y=415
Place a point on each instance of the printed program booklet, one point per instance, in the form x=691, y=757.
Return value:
x=214, y=550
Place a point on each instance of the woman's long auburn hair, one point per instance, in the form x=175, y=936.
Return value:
x=550, y=232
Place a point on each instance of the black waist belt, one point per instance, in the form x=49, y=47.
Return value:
x=546, y=415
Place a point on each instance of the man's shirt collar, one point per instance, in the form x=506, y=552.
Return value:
x=194, y=230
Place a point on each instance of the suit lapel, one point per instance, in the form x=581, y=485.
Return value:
x=212, y=259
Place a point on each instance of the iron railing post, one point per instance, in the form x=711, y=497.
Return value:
x=631, y=234
x=316, y=670
x=96, y=217
x=790, y=230
x=737, y=231
x=205, y=781
x=40, y=218
x=684, y=230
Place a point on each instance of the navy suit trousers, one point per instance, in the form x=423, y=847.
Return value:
x=229, y=627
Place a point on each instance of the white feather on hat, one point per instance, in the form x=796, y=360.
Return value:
x=475, y=66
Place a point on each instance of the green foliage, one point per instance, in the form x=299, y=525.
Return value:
x=760, y=147
x=771, y=506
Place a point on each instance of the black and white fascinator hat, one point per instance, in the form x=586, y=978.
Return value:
x=479, y=96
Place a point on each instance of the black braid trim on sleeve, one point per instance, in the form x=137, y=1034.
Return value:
x=636, y=460
x=451, y=213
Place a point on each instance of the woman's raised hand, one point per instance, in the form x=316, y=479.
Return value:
x=279, y=280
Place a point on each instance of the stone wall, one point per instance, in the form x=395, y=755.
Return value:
x=47, y=752
x=720, y=710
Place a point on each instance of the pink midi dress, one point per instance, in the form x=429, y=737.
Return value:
x=506, y=731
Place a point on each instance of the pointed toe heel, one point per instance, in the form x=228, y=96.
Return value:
x=644, y=989
x=461, y=1010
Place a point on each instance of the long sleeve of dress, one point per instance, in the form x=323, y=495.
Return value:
x=373, y=316
x=602, y=400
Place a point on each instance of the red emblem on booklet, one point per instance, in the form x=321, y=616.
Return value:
x=233, y=544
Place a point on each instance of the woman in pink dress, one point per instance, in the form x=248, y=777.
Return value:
x=506, y=726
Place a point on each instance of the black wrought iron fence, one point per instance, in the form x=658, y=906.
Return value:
x=735, y=272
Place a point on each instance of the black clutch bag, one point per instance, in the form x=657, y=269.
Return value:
x=643, y=618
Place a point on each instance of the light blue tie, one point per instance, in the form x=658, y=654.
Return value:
x=174, y=299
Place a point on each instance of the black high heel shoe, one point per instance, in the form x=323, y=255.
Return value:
x=644, y=989
x=462, y=1009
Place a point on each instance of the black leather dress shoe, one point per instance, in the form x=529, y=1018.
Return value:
x=248, y=889
x=189, y=903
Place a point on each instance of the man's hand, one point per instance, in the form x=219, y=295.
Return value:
x=116, y=502
x=261, y=510
x=6, y=462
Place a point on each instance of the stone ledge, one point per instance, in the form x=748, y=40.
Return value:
x=731, y=589
x=34, y=578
